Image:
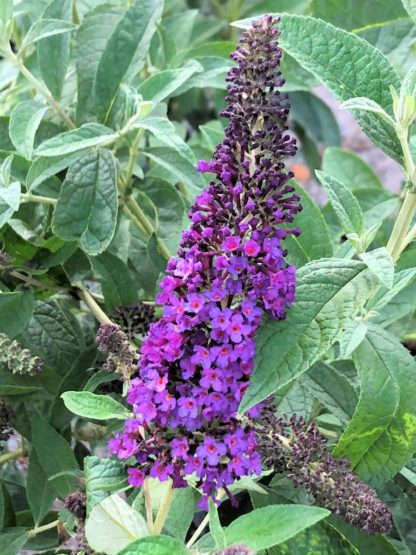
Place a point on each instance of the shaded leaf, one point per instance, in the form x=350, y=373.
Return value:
x=332, y=389
x=39, y=491
x=381, y=438
x=16, y=310
x=89, y=134
x=132, y=33
x=24, y=122
x=53, y=51
x=112, y=525
x=155, y=545
x=55, y=456
x=380, y=262
x=9, y=202
x=87, y=205
x=329, y=293
x=102, y=476
x=259, y=530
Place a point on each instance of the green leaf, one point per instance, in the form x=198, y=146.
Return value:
x=6, y=18
x=348, y=66
x=353, y=14
x=380, y=262
x=9, y=202
x=87, y=206
x=46, y=28
x=2, y=507
x=176, y=167
x=164, y=131
x=112, y=525
x=408, y=87
x=163, y=84
x=271, y=525
x=385, y=295
x=376, y=544
x=54, y=51
x=132, y=33
x=55, y=335
x=215, y=527
x=294, y=398
x=91, y=40
x=381, y=437
x=54, y=455
x=394, y=39
x=170, y=210
x=321, y=539
x=88, y=135
x=344, y=203
x=155, y=545
x=16, y=310
x=315, y=117
x=12, y=540
x=213, y=75
x=367, y=105
x=348, y=168
x=39, y=491
x=181, y=513
x=353, y=335
x=24, y=122
x=117, y=283
x=101, y=477
x=329, y=293
x=44, y=168
x=314, y=241
x=97, y=407
x=13, y=390
x=332, y=389
x=410, y=7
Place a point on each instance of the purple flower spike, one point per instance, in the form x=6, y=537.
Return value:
x=197, y=359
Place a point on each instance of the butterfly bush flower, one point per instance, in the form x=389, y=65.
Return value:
x=17, y=359
x=197, y=359
x=299, y=449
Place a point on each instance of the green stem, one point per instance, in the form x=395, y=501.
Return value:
x=198, y=531
x=37, y=283
x=163, y=510
x=37, y=85
x=398, y=238
x=146, y=225
x=409, y=337
x=148, y=504
x=39, y=529
x=133, y=152
x=12, y=455
x=409, y=237
x=28, y=197
x=203, y=524
x=93, y=306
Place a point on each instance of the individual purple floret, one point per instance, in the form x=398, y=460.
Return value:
x=197, y=359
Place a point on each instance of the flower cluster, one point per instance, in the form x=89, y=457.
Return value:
x=298, y=448
x=17, y=359
x=196, y=360
x=114, y=343
x=134, y=319
x=76, y=504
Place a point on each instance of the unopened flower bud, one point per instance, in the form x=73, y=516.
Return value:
x=17, y=359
